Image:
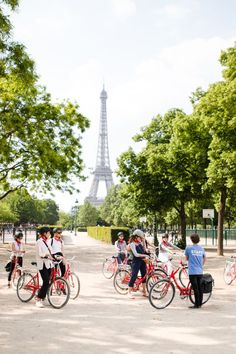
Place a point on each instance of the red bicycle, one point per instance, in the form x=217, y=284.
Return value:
x=230, y=270
x=163, y=291
x=110, y=266
x=71, y=277
x=122, y=278
x=58, y=293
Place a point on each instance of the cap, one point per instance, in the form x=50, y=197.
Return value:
x=120, y=233
x=138, y=232
x=57, y=229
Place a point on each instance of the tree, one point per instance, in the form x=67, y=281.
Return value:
x=50, y=212
x=65, y=220
x=6, y=214
x=217, y=111
x=87, y=215
x=40, y=141
x=118, y=207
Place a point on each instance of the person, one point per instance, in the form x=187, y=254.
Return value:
x=138, y=263
x=120, y=246
x=57, y=245
x=143, y=240
x=166, y=250
x=196, y=257
x=44, y=263
x=17, y=252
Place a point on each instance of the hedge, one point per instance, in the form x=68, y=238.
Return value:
x=107, y=234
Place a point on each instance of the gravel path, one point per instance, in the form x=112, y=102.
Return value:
x=101, y=321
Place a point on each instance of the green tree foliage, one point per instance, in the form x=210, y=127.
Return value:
x=118, y=207
x=29, y=209
x=6, y=214
x=24, y=206
x=169, y=171
x=40, y=141
x=217, y=111
x=87, y=215
x=66, y=220
x=50, y=212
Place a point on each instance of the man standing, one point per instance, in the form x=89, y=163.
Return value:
x=196, y=257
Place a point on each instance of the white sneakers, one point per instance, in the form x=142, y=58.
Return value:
x=39, y=303
x=45, y=302
x=131, y=296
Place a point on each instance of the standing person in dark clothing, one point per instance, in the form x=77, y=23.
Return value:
x=196, y=258
x=44, y=263
x=138, y=263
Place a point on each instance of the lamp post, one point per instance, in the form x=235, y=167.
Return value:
x=75, y=221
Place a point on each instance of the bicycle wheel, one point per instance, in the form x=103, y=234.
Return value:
x=26, y=287
x=161, y=294
x=121, y=281
x=154, y=277
x=15, y=276
x=206, y=296
x=228, y=278
x=108, y=268
x=74, y=284
x=58, y=293
x=183, y=277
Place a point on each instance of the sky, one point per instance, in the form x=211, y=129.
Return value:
x=150, y=55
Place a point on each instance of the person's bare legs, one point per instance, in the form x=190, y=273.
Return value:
x=144, y=289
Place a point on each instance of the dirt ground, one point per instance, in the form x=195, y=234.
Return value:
x=101, y=321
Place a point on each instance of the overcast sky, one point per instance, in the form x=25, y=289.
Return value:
x=150, y=54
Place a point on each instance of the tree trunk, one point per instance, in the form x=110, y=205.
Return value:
x=183, y=223
x=221, y=212
x=156, y=242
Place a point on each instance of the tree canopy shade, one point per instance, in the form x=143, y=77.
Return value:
x=40, y=141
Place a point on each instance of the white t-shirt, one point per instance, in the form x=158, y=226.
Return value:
x=56, y=245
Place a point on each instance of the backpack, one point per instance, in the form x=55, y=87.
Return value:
x=207, y=283
x=8, y=266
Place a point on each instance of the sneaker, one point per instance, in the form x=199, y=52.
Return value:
x=45, y=302
x=39, y=303
x=131, y=296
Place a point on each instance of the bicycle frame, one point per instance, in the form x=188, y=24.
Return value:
x=139, y=280
x=184, y=291
x=34, y=285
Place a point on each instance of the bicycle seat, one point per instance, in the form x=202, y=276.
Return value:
x=34, y=263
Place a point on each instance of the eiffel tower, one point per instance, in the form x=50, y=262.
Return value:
x=102, y=171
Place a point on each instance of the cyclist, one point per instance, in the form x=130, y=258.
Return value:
x=166, y=250
x=138, y=264
x=196, y=258
x=44, y=263
x=57, y=245
x=17, y=249
x=120, y=246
